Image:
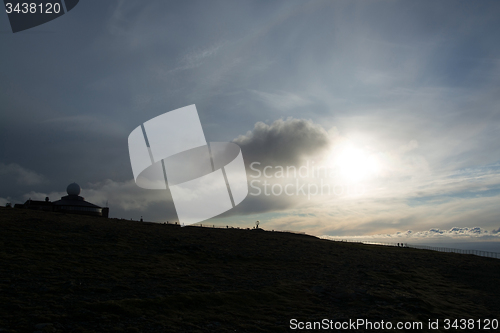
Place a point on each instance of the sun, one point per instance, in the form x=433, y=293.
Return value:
x=355, y=164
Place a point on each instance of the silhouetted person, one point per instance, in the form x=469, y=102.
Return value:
x=141, y=218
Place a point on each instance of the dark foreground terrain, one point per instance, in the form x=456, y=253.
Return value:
x=67, y=273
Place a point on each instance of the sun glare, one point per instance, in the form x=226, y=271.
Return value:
x=354, y=164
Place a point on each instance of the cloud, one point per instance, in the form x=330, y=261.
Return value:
x=124, y=21
x=86, y=124
x=413, y=144
x=22, y=176
x=196, y=58
x=376, y=211
x=282, y=100
x=35, y=195
x=284, y=142
x=404, y=193
x=434, y=234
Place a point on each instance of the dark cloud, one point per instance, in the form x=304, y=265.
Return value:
x=284, y=142
x=16, y=174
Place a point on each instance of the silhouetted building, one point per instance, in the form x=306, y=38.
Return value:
x=72, y=203
x=36, y=204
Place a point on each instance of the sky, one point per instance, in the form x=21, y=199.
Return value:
x=397, y=101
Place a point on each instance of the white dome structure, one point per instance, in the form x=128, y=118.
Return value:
x=73, y=189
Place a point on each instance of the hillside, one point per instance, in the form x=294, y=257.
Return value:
x=69, y=273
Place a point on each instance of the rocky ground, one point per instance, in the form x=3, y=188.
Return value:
x=70, y=273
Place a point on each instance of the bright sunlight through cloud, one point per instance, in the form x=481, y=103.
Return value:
x=355, y=164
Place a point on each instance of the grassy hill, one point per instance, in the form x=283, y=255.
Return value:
x=70, y=273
